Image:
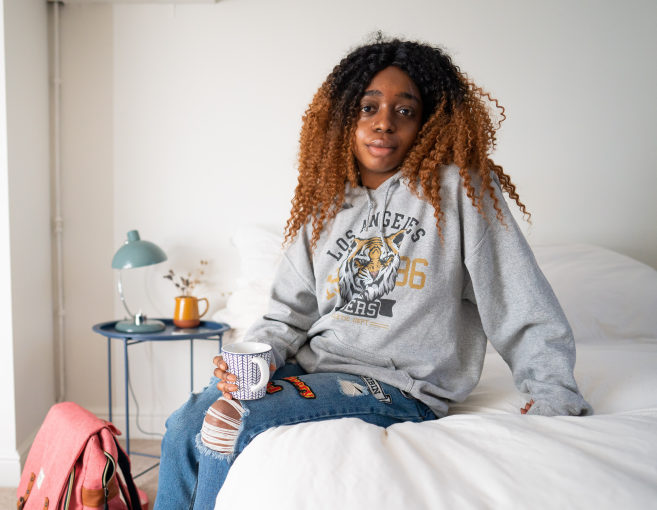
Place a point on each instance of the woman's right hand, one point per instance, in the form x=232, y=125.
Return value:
x=227, y=381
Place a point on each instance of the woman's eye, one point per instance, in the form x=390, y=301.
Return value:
x=406, y=112
x=366, y=108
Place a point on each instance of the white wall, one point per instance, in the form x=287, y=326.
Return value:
x=87, y=194
x=9, y=466
x=182, y=121
x=26, y=295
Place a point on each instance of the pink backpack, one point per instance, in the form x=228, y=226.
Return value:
x=74, y=463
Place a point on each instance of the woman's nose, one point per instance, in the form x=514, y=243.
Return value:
x=383, y=121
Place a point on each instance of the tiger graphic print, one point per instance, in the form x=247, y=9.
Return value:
x=370, y=269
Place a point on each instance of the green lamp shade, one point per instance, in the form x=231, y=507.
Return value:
x=137, y=253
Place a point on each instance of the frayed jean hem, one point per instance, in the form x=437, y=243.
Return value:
x=204, y=450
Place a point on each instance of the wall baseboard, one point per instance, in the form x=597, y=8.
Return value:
x=11, y=463
x=10, y=470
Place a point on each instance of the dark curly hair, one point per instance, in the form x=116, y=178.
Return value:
x=458, y=126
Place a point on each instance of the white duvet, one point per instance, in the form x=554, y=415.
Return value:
x=485, y=454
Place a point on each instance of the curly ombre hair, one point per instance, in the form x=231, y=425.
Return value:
x=459, y=121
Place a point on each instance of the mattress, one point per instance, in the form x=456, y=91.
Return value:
x=485, y=454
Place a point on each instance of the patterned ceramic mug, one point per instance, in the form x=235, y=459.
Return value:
x=249, y=361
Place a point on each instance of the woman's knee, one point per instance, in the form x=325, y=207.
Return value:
x=222, y=425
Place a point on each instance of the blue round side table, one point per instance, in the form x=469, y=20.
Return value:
x=207, y=330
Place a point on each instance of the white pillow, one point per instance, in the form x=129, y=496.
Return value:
x=260, y=251
x=605, y=295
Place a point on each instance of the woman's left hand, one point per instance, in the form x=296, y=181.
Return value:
x=527, y=407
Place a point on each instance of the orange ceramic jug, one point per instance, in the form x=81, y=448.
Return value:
x=186, y=313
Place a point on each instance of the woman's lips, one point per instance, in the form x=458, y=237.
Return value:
x=380, y=150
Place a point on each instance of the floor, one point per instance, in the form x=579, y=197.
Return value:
x=146, y=481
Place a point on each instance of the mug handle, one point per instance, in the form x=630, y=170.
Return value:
x=207, y=306
x=264, y=374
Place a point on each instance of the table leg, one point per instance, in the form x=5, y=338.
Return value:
x=127, y=400
x=109, y=375
x=191, y=365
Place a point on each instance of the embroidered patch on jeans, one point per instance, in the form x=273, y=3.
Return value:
x=351, y=389
x=273, y=388
x=376, y=389
x=303, y=389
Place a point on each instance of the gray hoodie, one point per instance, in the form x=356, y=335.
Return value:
x=382, y=296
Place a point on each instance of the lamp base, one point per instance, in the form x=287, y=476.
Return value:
x=149, y=326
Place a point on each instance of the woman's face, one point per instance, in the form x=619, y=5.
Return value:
x=388, y=122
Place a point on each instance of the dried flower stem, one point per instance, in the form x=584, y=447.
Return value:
x=186, y=283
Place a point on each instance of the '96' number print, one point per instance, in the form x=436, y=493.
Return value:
x=409, y=273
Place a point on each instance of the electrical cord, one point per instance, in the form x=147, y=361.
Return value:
x=134, y=397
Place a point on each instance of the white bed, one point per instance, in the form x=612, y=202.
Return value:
x=485, y=454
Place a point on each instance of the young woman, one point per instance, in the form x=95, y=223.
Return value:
x=402, y=261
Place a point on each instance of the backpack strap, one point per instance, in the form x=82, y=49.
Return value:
x=124, y=464
x=20, y=504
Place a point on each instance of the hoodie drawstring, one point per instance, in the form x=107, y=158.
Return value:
x=371, y=204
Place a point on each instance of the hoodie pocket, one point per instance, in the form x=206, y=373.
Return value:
x=335, y=346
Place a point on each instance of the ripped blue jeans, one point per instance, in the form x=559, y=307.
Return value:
x=191, y=474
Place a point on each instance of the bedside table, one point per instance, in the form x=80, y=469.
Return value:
x=207, y=330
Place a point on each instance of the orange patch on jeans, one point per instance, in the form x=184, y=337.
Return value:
x=303, y=389
x=273, y=388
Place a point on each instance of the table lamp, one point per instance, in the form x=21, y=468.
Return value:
x=137, y=253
